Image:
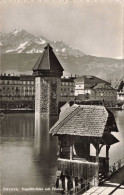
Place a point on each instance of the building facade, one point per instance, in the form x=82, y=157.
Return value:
x=120, y=92
x=67, y=89
x=17, y=92
x=93, y=88
x=104, y=93
x=84, y=84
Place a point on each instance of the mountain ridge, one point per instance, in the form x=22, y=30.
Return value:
x=20, y=50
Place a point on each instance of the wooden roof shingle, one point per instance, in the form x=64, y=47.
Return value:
x=83, y=120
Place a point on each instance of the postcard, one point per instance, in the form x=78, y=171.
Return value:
x=61, y=96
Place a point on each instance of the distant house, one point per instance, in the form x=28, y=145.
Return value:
x=84, y=84
x=105, y=93
x=120, y=93
x=67, y=89
x=17, y=91
x=93, y=88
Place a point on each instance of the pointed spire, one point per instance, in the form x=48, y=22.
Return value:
x=48, y=61
x=48, y=46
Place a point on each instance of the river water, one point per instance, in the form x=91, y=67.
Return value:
x=29, y=153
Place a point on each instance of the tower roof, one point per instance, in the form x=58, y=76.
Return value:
x=48, y=61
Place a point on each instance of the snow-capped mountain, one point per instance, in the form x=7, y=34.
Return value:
x=20, y=51
x=24, y=42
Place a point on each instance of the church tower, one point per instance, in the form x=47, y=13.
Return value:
x=47, y=72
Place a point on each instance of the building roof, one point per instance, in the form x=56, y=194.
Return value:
x=70, y=79
x=108, y=139
x=17, y=77
x=85, y=120
x=48, y=61
x=103, y=86
x=88, y=79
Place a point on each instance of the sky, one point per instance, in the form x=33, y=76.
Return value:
x=94, y=28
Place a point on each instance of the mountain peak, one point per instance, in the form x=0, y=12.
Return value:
x=15, y=31
x=20, y=41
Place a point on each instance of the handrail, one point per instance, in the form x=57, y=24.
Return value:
x=75, y=190
x=116, y=166
x=112, y=169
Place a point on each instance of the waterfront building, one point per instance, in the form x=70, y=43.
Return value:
x=93, y=88
x=17, y=91
x=67, y=89
x=104, y=93
x=120, y=91
x=47, y=72
x=84, y=84
x=79, y=128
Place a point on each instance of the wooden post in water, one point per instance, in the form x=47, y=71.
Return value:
x=71, y=152
x=73, y=180
x=71, y=148
x=63, y=182
x=107, y=151
x=60, y=183
x=107, y=160
x=97, y=167
x=66, y=184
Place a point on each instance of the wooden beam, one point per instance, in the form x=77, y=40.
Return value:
x=107, y=151
x=71, y=152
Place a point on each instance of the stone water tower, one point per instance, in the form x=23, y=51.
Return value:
x=47, y=72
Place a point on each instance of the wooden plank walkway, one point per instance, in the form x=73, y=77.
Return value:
x=115, y=185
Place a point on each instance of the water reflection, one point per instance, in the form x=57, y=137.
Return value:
x=28, y=151
x=41, y=139
x=45, y=149
x=18, y=125
x=117, y=150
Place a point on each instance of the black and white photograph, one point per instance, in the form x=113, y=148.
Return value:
x=61, y=97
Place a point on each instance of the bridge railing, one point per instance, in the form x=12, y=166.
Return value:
x=83, y=187
x=112, y=169
x=116, y=166
x=86, y=184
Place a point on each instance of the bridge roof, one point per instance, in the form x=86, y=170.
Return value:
x=85, y=120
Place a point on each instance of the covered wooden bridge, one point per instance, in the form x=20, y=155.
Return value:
x=79, y=127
